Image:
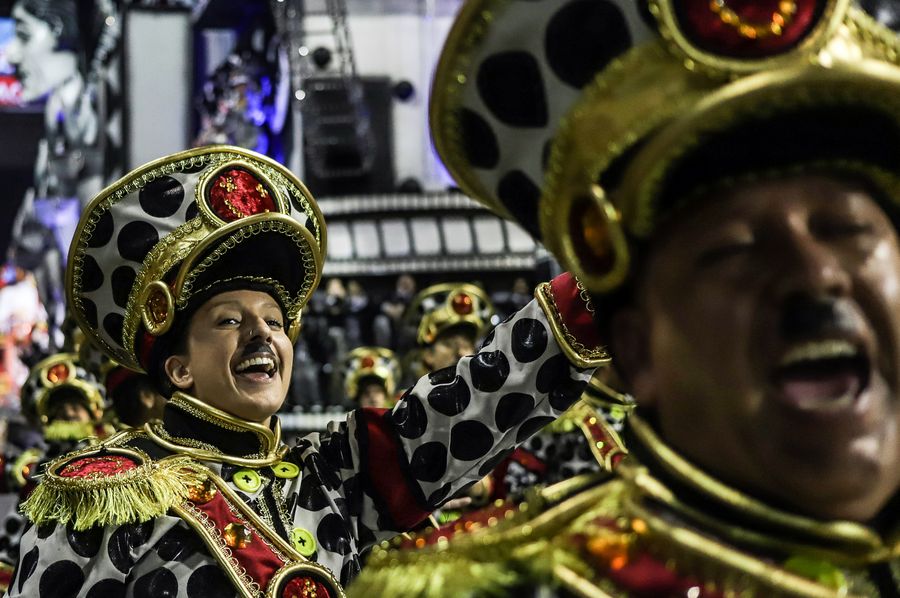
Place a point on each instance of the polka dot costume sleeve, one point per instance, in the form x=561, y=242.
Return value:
x=56, y=561
x=455, y=425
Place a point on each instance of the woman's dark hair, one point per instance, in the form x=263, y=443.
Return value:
x=62, y=16
x=77, y=24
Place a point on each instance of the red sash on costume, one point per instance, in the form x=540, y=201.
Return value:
x=257, y=560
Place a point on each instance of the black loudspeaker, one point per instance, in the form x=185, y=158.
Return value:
x=348, y=137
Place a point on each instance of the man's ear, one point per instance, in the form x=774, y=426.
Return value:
x=179, y=373
x=631, y=353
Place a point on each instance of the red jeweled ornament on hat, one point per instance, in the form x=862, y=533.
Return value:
x=304, y=587
x=236, y=194
x=462, y=304
x=58, y=373
x=367, y=362
x=748, y=28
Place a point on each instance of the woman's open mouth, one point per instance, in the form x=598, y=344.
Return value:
x=257, y=368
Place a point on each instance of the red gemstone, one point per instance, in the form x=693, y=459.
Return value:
x=304, y=587
x=748, y=28
x=462, y=304
x=236, y=194
x=367, y=362
x=58, y=373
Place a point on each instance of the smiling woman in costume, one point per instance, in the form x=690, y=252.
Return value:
x=195, y=268
x=724, y=179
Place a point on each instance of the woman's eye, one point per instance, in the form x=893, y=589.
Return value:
x=274, y=323
x=228, y=321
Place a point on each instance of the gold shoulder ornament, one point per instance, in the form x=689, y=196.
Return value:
x=110, y=485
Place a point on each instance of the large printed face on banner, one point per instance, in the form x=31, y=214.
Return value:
x=35, y=53
x=10, y=88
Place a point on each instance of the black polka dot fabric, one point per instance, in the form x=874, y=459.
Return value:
x=410, y=417
x=512, y=409
x=520, y=195
x=113, y=325
x=529, y=340
x=159, y=583
x=62, y=579
x=525, y=74
x=162, y=197
x=91, y=274
x=479, y=141
x=512, y=87
x=122, y=281
x=571, y=44
x=489, y=370
x=470, y=440
x=136, y=239
x=451, y=398
x=103, y=231
x=208, y=581
x=429, y=462
x=512, y=388
x=85, y=543
x=561, y=455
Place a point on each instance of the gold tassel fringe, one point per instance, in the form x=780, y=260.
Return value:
x=134, y=496
x=450, y=576
x=60, y=430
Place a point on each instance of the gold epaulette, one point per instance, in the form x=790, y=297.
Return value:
x=110, y=485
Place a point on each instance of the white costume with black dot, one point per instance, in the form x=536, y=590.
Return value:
x=360, y=482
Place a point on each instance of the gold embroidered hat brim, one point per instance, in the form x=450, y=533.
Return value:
x=587, y=181
x=169, y=231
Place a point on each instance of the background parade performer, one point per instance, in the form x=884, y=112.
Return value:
x=370, y=377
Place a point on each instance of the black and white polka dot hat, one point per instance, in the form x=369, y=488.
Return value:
x=441, y=307
x=56, y=373
x=170, y=234
x=371, y=362
x=586, y=120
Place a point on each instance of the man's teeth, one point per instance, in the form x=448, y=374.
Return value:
x=248, y=363
x=814, y=350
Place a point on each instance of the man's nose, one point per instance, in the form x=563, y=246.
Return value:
x=809, y=266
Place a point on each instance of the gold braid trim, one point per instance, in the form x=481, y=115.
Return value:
x=133, y=496
x=513, y=549
x=579, y=355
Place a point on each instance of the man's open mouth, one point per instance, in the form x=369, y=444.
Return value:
x=823, y=375
x=257, y=368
